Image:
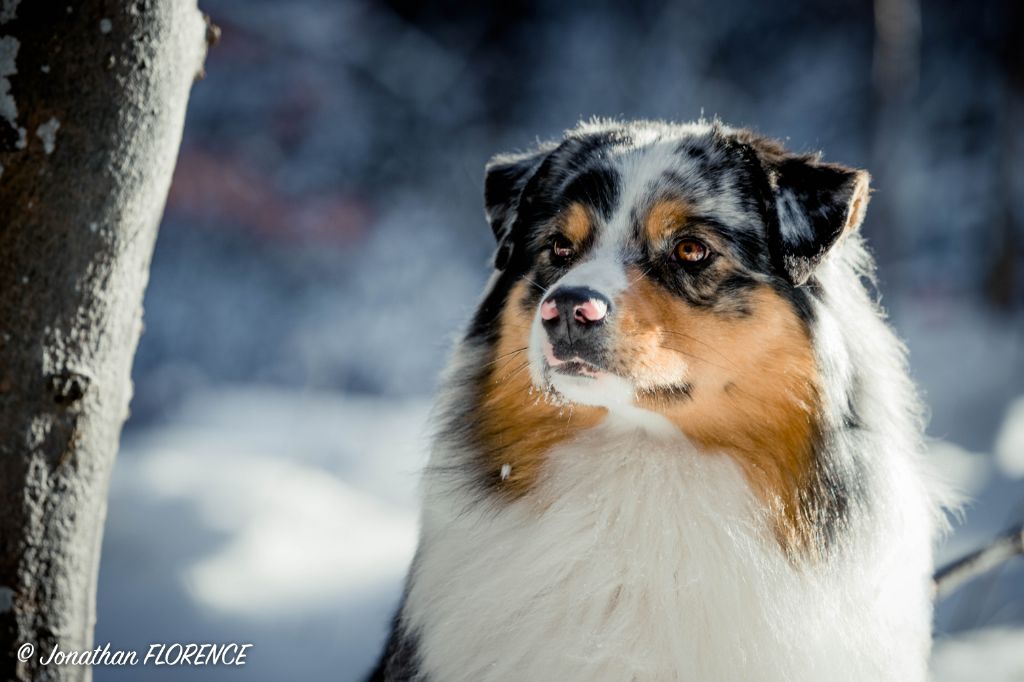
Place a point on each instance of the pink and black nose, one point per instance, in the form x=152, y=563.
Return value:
x=572, y=315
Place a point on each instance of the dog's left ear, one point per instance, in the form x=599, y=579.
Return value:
x=816, y=204
x=505, y=179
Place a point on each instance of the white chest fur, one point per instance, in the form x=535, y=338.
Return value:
x=642, y=559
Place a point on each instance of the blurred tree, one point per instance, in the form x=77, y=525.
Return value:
x=92, y=104
x=1004, y=282
x=895, y=76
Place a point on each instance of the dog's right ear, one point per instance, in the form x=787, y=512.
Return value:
x=505, y=179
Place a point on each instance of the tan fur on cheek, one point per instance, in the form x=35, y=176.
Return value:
x=753, y=392
x=517, y=425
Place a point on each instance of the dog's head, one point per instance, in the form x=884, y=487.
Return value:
x=650, y=263
x=667, y=268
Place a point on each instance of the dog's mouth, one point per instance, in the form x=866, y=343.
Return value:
x=577, y=368
x=573, y=366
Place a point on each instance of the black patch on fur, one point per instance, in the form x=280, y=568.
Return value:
x=839, y=489
x=484, y=325
x=571, y=172
x=838, y=492
x=666, y=395
x=800, y=299
x=692, y=148
x=825, y=503
x=736, y=286
x=822, y=194
x=757, y=194
x=597, y=188
x=399, y=661
x=504, y=179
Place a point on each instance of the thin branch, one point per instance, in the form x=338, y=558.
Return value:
x=953, y=575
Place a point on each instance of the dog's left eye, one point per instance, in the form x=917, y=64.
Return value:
x=562, y=248
x=690, y=251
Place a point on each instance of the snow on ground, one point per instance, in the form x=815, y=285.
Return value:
x=282, y=518
x=993, y=655
x=1009, y=450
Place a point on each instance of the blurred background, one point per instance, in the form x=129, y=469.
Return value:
x=324, y=239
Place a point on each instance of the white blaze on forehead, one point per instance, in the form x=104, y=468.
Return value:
x=660, y=167
x=641, y=172
x=604, y=273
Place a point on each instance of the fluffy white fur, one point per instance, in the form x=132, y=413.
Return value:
x=643, y=559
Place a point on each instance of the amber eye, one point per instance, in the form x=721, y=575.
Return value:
x=691, y=251
x=562, y=248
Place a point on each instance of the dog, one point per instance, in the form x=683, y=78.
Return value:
x=677, y=440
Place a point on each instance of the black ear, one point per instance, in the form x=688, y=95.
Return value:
x=505, y=178
x=816, y=204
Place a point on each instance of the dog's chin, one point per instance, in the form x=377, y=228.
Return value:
x=585, y=384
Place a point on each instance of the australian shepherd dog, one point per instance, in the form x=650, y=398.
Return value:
x=677, y=440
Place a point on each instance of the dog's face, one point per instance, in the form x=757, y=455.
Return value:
x=649, y=258
x=665, y=268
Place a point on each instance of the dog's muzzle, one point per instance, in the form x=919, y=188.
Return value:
x=574, y=319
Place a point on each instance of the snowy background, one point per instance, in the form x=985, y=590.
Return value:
x=324, y=238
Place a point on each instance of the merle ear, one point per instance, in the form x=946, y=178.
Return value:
x=505, y=178
x=816, y=204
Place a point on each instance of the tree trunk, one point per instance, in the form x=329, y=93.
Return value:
x=92, y=103
x=1003, y=282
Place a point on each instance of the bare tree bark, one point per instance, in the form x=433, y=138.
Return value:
x=92, y=104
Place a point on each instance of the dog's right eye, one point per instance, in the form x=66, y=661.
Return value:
x=691, y=251
x=562, y=249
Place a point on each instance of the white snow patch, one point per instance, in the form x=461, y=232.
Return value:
x=1009, y=448
x=47, y=132
x=967, y=472
x=105, y=25
x=8, y=10
x=297, y=533
x=93, y=227
x=996, y=651
x=506, y=471
x=312, y=493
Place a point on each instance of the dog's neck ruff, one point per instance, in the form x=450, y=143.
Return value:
x=640, y=558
